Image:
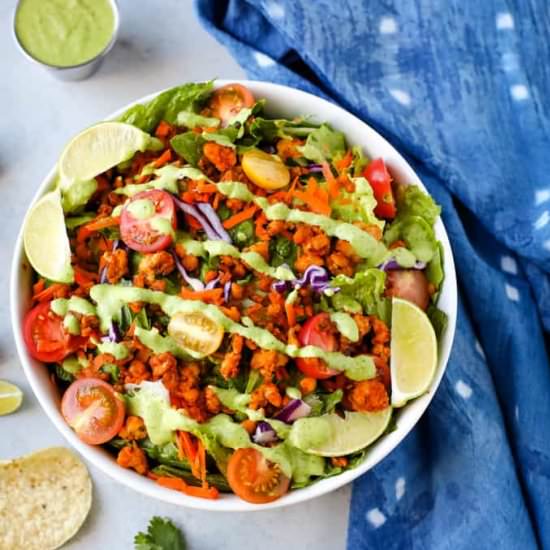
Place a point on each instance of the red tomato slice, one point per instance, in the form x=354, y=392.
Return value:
x=93, y=409
x=227, y=101
x=45, y=337
x=317, y=331
x=255, y=479
x=140, y=234
x=409, y=284
x=380, y=180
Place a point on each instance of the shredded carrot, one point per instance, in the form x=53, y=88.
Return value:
x=333, y=187
x=290, y=314
x=95, y=225
x=84, y=278
x=38, y=287
x=344, y=162
x=315, y=197
x=163, y=129
x=216, y=202
x=57, y=290
x=214, y=295
x=135, y=307
x=203, y=187
x=163, y=159
x=242, y=216
x=178, y=484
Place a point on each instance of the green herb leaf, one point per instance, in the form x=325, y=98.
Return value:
x=271, y=129
x=161, y=534
x=192, y=120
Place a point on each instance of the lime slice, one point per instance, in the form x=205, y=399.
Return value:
x=45, y=239
x=10, y=398
x=332, y=435
x=413, y=352
x=99, y=148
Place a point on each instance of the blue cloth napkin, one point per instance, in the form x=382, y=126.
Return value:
x=461, y=88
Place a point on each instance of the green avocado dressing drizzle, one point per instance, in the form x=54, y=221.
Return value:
x=364, y=244
x=111, y=298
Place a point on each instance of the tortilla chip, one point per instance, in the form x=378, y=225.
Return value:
x=44, y=499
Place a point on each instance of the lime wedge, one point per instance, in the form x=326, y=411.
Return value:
x=45, y=239
x=332, y=435
x=99, y=148
x=10, y=398
x=413, y=352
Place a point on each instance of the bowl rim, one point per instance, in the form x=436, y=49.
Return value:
x=99, y=457
x=94, y=59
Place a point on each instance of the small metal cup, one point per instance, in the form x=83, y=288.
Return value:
x=73, y=72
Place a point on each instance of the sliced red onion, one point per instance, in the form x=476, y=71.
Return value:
x=392, y=265
x=296, y=408
x=194, y=212
x=264, y=434
x=226, y=291
x=213, y=219
x=196, y=284
x=315, y=168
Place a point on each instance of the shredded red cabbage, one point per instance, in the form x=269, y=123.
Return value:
x=114, y=334
x=194, y=212
x=196, y=284
x=392, y=265
x=226, y=291
x=213, y=219
x=314, y=276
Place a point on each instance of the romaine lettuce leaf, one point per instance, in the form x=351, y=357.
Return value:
x=412, y=201
x=362, y=293
x=323, y=144
x=270, y=130
x=189, y=146
x=167, y=105
x=357, y=206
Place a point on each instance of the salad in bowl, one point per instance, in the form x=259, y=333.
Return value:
x=233, y=301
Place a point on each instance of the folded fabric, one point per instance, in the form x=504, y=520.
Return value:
x=460, y=88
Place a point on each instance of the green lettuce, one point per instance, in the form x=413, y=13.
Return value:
x=416, y=216
x=189, y=146
x=323, y=144
x=191, y=120
x=412, y=201
x=357, y=206
x=167, y=106
x=272, y=129
x=363, y=293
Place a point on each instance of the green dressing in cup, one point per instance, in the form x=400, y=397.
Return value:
x=64, y=33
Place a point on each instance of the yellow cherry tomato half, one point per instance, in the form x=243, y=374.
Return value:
x=265, y=170
x=196, y=333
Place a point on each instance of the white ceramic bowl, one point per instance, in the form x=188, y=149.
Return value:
x=287, y=102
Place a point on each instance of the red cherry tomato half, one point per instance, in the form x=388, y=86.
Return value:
x=380, y=180
x=317, y=331
x=409, y=284
x=93, y=410
x=45, y=337
x=255, y=479
x=144, y=232
x=227, y=101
